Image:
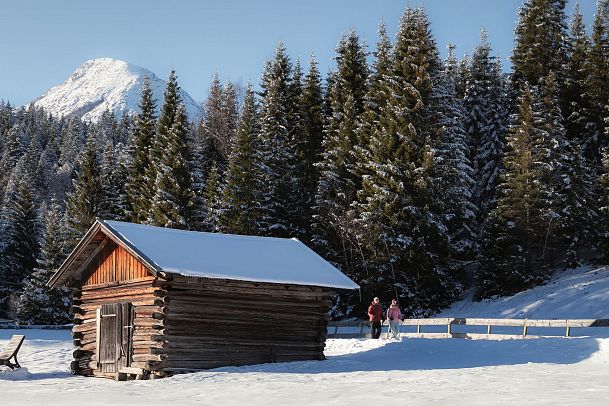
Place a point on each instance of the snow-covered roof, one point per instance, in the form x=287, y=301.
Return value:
x=227, y=256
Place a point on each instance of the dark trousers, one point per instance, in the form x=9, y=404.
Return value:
x=375, y=329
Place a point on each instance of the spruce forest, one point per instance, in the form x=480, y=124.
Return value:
x=418, y=177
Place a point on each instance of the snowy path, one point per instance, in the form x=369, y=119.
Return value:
x=357, y=372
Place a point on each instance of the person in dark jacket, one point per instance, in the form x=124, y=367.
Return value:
x=375, y=313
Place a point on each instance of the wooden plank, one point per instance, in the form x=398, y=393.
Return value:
x=93, y=255
x=97, y=333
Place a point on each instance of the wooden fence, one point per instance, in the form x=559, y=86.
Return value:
x=360, y=329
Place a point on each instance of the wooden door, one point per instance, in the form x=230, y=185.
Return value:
x=114, y=336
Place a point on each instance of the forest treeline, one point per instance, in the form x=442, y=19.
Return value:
x=416, y=176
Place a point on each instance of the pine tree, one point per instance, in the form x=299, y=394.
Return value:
x=278, y=206
x=72, y=141
x=309, y=146
x=12, y=149
x=218, y=125
x=514, y=252
x=540, y=41
x=139, y=186
x=173, y=203
x=339, y=182
x=576, y=104
x=19, y=233
x=486, y=123
x=114, y=205
x=164, y=124
x=394, y=203
x=598, y=77
x=212, y=195
x=39, y=304
x=376, y=98
x=561, y=180
x=241, y=196
x=453, y=170
x=194, y=160
x=84, y=203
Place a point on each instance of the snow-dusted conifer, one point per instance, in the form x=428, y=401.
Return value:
x=85, y=201
x=218, y=125
x=395, y=201
x=212, y=193
x=597, y=90
x=453, y=170
x=486, y=123
x=514, y=252
x=338, y=182
x=241, y=196
x=278, y=203
x=139, y=187
x=308, y=144
x=39, y=304
x=540, y=38
x=173, y=203
x=19, y=233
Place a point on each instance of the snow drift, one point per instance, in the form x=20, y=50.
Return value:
x=581, y=293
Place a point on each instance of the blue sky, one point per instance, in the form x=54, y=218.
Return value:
x=44, y=41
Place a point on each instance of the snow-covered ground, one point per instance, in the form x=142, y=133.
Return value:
x=548, y=371
x=357, y=372
x=581, y=293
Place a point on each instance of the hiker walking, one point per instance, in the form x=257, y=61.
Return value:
x=395, y=316
x=375, y=313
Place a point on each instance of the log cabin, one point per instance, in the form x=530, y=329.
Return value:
x=151, y=302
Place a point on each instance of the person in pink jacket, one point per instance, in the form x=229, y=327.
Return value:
x=395, y=317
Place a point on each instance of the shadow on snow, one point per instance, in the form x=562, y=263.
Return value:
x=429, y=354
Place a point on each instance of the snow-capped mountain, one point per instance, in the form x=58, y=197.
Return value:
x=106, y=84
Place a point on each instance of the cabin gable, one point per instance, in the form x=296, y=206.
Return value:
x=113, y=263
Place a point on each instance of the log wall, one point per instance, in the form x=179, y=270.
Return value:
x=186, y=324
x=210, y=323
x=147, y=296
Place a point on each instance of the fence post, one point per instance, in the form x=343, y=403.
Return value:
x=449, y=327
x=524, y=330
x=488, y=329
x=568, y=333
x=418, y=329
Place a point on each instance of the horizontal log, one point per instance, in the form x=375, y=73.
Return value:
x=266, y=300
x=148, y=357
x=149, y=323
x=279, y=313
x=224, y=292
x=188, y=282
x=112, y=293
x=204, y=342
x=81, y=328
x=131, y=282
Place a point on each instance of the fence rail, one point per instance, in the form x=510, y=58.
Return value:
x=361, y=327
